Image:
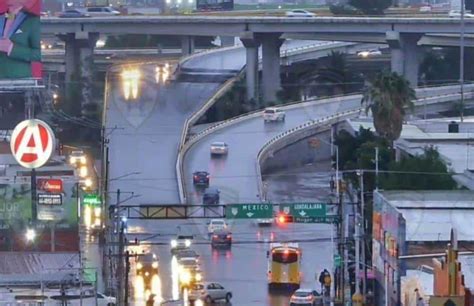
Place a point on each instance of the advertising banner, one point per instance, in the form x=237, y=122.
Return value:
x=20, y=39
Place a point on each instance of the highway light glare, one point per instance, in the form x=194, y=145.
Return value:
x=100, y=43
x=30, y=234
x=154, y=265
x=87, y=217
x=198, y=303
x=187, y=243
x=83, y=171
x=174, y=243
x=139, y=266
x=97, y=212
x=88, y=182
x=130, y=83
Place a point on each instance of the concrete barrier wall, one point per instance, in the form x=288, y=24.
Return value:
x=298, y=149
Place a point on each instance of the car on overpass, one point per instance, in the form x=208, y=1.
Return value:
x=201, y=178
x=369, y=53
x=211, y=196
x=272, y=114
x=73, y=13
x=457, y=14
x=219, y=148
x=102, y=11
x=299, y=13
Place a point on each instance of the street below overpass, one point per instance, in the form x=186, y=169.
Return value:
x=241, y=269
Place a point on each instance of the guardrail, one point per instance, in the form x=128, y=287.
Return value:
x=329, y=120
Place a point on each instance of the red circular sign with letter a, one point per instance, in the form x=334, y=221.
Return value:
x=32, y=143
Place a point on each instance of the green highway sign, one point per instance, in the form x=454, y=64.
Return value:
x=249, y=211
x=92, y=200
x=304, y=210
x=325, y=219
x=337, y=260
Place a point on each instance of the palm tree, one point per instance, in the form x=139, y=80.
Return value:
x=387, y=97
x=335, y=75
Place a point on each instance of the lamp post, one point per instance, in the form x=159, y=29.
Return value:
x=461, y=61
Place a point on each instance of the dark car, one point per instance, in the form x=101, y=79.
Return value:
x=201, y=178
x=221, y=238
x=211, y=196
x=73, y=14
x=147, y=264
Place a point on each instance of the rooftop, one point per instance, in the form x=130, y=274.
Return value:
x=430, y=215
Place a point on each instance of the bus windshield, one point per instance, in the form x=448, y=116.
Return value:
x=285, y=258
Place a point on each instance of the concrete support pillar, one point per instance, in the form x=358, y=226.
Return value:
x=405, y=55
x=187, y=45
x=271, y=81
x=251, y=68
x=79, y=59
x=227, y=41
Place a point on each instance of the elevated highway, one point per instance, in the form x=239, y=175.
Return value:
x=238, y=174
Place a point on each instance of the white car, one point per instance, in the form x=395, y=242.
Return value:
x=219, y=148
x=273, y=114
x=181, y=242
x=425, y=9
x=88, y=299
x=457, y=14
x=209, y=292
x=216, y=225
x=304, y=297
x=77, y=157
x=299, y=13
x=368, y=53
x=101, y=11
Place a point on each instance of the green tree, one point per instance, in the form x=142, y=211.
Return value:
x=413, y=173
x=371, y=7
x=386, y=97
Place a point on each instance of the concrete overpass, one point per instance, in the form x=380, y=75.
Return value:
x=402, y=35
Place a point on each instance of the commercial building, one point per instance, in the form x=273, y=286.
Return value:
x=415, y=223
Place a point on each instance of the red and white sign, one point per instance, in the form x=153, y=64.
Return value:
x=32, y=143
x=50, y=185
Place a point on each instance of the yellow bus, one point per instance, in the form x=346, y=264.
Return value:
x=284, y=266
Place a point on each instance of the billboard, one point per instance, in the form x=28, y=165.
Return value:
x=57, y=212
x=20, y=39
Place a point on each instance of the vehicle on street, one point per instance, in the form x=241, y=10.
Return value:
x=457, y=14
x=425, y=9
x=187, y=253
x=271, y=114
x=369, y=53
x=221, y=238
x=264, y=222
x=88, y=298
x=216, y=225
x=211, y=196
x=305, y=297
x=209, y=292
x=189, y=272
x=299, y=13
x=181, y=242
x=147, y=264
x=77, y=157
x=219, y=148
x=73, y=13
x=284, y=266
x=201, y=178
x=101, y=11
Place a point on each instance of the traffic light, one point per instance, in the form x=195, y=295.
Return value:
x=284, y=218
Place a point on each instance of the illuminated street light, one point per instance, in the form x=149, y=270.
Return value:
x=87, y=182
x=30, y=234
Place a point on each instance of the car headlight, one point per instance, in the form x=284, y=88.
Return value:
x=198, y=277
x=97, y=212
x=185, y=277
x=187, y=243
x=155, y=265
x=174, y=243
x=72, y=160
x=83, y=160
x=139, y=266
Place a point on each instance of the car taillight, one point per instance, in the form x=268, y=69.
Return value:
x=229, y=236
x=195, y=176
x=207, y=176
x=215, y=236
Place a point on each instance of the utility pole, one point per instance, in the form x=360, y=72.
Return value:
x=119, y=228
x=362, y=209
x=127, y=271
x=461, y=55
x=376, y=168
